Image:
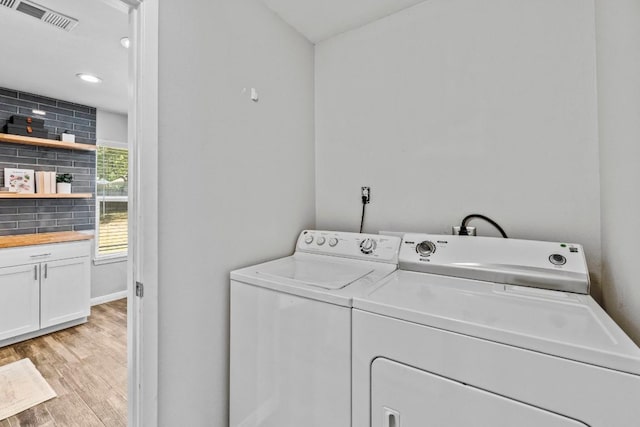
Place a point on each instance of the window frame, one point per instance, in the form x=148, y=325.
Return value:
x=99, y=259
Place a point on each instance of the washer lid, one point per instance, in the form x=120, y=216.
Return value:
x=563, y=324
x=322, y=273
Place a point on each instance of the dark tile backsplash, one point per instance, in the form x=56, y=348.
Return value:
x=43, y=216
x=61, y=115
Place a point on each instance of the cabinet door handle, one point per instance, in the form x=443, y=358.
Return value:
x=46, y=270
x=35, y=272
x=40, y=255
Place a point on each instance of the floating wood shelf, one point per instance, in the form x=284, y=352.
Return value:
x=27, y=140
x=7, y=195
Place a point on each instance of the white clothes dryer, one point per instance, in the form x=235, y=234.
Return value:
x=291, y=329
x=486, y=332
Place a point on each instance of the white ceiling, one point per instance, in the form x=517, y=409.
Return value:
x=318, y=20
x=44, y=60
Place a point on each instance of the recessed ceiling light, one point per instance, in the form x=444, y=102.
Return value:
x=125, y=42
x=39, y=112
x=89, y=78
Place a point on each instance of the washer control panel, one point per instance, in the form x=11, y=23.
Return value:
x=373, y=247
x=368, y=245
x=548, y=265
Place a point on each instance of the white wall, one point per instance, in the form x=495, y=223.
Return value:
x=618, y=37
x=460, y=106
x=236, y=182
x=110, y=278
x=111, y=126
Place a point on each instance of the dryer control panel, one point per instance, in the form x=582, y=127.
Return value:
x=547, y=265
x=370, y=247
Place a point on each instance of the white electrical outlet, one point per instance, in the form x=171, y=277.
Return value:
x=455, y=230
x=366, y=194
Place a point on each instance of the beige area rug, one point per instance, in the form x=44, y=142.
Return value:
x=21, y=387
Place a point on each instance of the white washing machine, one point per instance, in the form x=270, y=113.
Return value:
x=485, y=332
x=291, y=329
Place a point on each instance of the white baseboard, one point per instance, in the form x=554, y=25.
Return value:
x=108, y=298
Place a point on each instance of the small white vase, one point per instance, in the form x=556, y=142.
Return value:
x=63, y=188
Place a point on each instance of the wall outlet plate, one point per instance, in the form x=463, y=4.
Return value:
x=365, y=193
x=455, y=230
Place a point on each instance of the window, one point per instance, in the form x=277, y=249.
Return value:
x=111, y=186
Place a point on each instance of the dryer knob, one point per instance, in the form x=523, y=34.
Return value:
x=557, y=259
x=320, y=241
x=308, y=239
x=367, y=246
x=333, y=241
x=426, y=248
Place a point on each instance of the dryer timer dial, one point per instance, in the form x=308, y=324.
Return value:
x=426, y=248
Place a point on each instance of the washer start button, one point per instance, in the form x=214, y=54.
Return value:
x=557, y=259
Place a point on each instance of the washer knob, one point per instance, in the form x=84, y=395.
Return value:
x=308, y=239
x=557, y=259
x=320, y=241
x=426, y=248
x=333, y=241
x=367, y=246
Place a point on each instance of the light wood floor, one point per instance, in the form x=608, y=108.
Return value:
x=86, y=366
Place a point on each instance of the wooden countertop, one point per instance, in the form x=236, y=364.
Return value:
x=42, y=239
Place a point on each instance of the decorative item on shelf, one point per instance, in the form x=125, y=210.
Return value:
x=26, y=126
x=19, y=180
x=45, y=182
x=40, y=188
x=67, y=137
x=4, y=190
x=27, y=121
x=64, y=183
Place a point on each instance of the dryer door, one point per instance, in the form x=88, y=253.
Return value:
x=402, y=396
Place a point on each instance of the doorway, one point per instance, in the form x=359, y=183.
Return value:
x=108, y=311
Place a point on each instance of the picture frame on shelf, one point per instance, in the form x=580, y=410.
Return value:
x=19, y=180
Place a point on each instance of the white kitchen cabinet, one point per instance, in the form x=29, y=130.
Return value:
x=19, y=300
x=43, y=288
x=64, y=291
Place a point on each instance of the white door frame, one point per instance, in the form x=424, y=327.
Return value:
x=142, y=312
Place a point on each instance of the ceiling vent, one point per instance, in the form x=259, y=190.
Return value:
x=42, y=13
